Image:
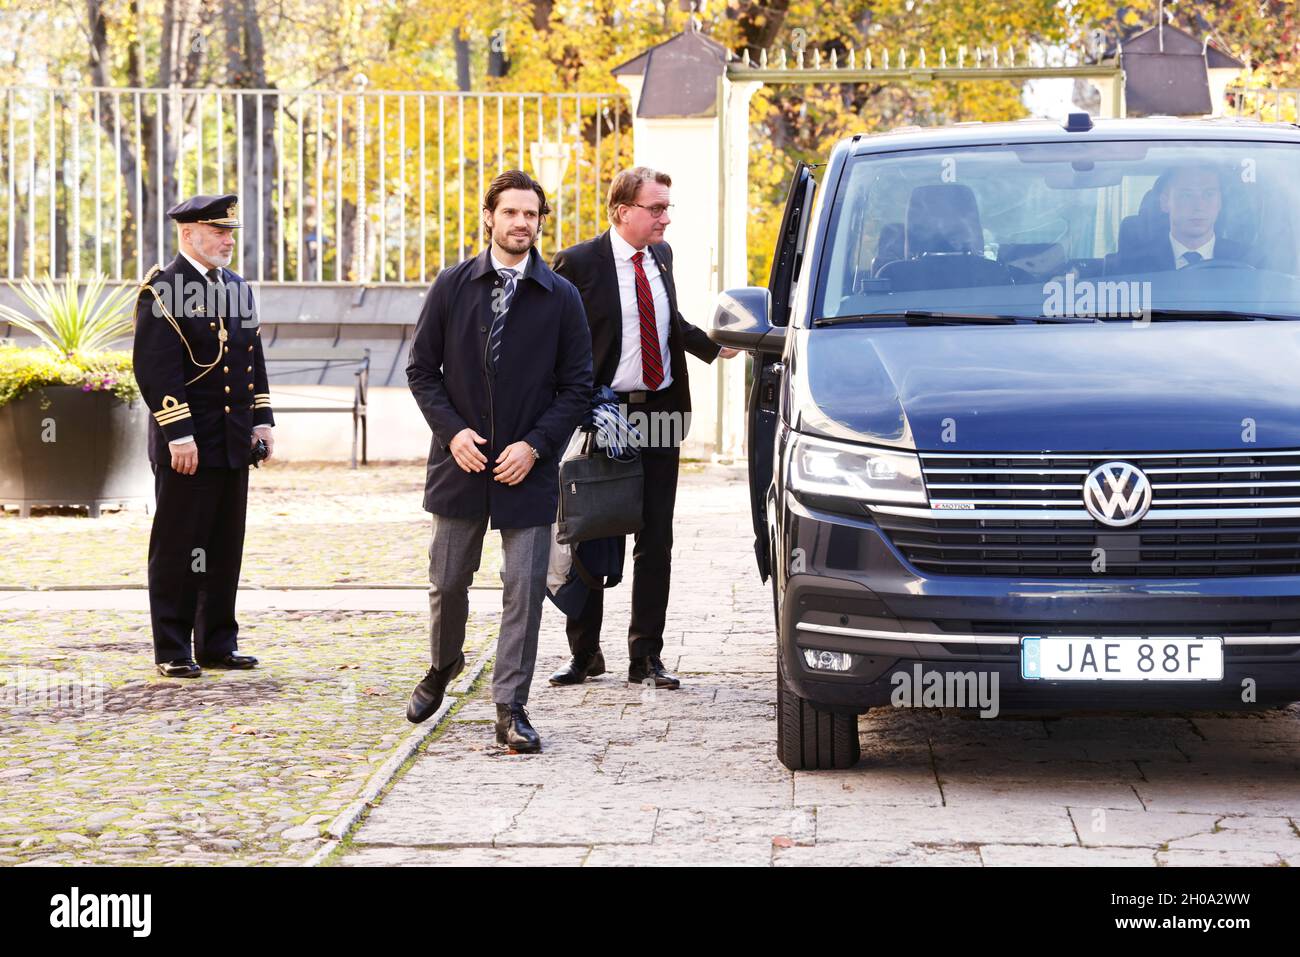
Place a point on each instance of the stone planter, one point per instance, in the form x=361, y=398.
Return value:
x=98, y=455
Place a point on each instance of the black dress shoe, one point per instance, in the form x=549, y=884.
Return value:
x=651, y=667
x=514, y=731
x=580, y=667
x=181, y=668
x=232, y=660
x=428, y=694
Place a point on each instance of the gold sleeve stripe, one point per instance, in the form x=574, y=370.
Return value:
x=173, y=412
x=174, y=418
x=261, y=395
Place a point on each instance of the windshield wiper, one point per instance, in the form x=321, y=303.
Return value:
x=1171, y=314
x=927, y=317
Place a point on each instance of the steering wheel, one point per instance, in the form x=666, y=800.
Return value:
x=1080, y=267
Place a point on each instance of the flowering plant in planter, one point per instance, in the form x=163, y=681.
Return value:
x=23, y=370
x=72, y=426
x=75, y=329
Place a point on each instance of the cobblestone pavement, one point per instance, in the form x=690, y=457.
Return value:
x=104, y=762
x=691, y=777
x=309, y=524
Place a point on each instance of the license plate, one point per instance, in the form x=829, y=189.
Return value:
x=1062, y=658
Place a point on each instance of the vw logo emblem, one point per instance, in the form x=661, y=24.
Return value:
x=1117, y=494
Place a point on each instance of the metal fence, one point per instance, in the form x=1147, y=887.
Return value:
x=1009, y=62
x=361, y=186
x=1270, y=104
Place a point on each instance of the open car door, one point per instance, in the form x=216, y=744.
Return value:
x=766, y=387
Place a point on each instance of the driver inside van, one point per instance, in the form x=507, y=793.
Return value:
x=1192, y=197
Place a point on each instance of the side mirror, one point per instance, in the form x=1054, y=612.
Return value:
x=742, y=320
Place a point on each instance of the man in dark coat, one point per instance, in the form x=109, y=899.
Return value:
x=639, y=345
x=500, y=366
x=1191, y=197
x=198, y=360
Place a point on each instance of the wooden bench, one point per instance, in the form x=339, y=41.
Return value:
x=322, y=362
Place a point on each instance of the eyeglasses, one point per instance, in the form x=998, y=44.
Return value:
x=656, y=210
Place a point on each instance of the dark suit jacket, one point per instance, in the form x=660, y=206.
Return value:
x=538, y=393
x=1158, y=256
x=590, y=267
x=222, y=404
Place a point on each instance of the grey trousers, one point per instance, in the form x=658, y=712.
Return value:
x=455, y=551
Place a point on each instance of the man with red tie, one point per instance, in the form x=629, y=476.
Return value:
x=639, y=343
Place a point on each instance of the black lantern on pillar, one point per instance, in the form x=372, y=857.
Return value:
x=498, y=64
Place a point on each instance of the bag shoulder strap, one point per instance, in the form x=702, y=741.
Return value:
x=590, y=580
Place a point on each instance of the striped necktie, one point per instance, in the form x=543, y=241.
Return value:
x=501, y=306
x=652, y=363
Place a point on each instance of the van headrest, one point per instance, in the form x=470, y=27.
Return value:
x=943, y=218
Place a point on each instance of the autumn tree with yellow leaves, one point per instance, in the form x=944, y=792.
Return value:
x=554, y=46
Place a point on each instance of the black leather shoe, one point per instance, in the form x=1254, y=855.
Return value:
x=651, y=667
x=182, y=668
x=232, y=660
x=428, y=694
x=514, y=731
x=580, y=668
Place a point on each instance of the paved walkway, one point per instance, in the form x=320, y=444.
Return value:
x=691, y=777
x=482, y=601
x=633, y=777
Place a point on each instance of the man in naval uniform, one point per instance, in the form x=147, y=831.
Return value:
x=198, y=360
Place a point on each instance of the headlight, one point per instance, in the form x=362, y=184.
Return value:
x=823, y=467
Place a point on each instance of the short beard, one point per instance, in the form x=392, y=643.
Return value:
x=219, y=260
x=513, y=244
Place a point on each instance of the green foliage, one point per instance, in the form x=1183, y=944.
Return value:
x=24, y=370
x=71, y=322
x=74, y=327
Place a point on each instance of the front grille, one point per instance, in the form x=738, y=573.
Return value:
x=1286, y=628
x=1048, y=548
x=1212, y=514
x=1178, y=481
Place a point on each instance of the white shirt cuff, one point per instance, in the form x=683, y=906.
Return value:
x=188, y=438
x=261, y=428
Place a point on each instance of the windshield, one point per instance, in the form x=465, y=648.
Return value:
x=1086, y=230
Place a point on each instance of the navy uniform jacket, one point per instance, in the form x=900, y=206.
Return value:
x=199, y=385
x=539, y=393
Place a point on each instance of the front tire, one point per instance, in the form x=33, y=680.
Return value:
x=808, y=739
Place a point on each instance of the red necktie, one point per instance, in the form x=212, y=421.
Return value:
x=652, y=366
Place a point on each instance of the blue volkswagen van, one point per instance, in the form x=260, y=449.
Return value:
x=1026, y=407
